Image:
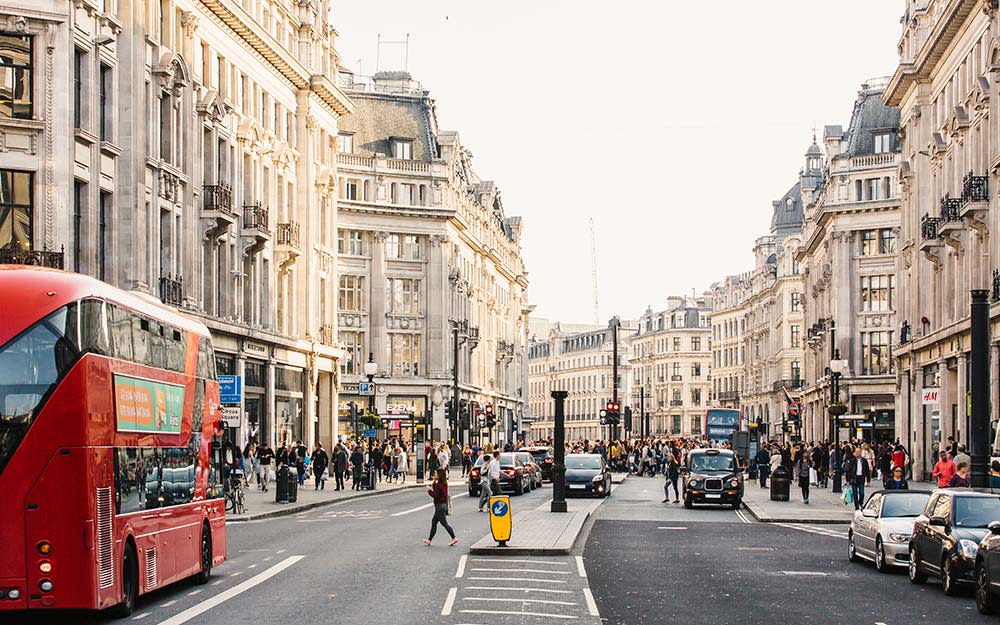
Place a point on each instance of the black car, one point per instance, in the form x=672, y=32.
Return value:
x=945, y=541
x=544, y=457
x=587, y=474
x=513, y=477
x=988, y=570
x=712, y=476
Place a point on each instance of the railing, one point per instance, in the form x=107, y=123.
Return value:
x=996, y=285
x=326, y=335
x=975, y=188
x=950, y=207
x=787, y=384
x=218, y=197
x=728, y=395
x=14, y=254
x=172, y=290
x=401, y=164
x=675, y=378
x=874, y=160
x=676, y=402
x=929, y=227
x=353, y=160
x=288, y=234
x=255, y=217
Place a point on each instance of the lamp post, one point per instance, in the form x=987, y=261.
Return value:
x=837, y=369
x=371, y=368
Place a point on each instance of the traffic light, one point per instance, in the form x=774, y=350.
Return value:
x=628, y=418
x=491, y=419
x=463, y=415
x=611, y=415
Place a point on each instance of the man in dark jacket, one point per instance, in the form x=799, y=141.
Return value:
x=896, y=481
x=375, y=458
x=858, y=473
x=320, y=460
x=357, y=465
x=339, y=465
x=763, y=460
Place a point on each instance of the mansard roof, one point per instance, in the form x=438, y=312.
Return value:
x=870, y=115
x=379, y=117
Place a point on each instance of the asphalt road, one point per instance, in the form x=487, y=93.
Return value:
x=652, y=563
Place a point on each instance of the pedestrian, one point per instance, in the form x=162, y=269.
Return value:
x=485, y=492
x=402, y=463
x=961, y=456
x=763, y=460
x=896, y=481
x=444, y=458
x=670, y=471
x=357, y=466
x=251, y=465
x=961, y=478
x=375, y=458
x=943, y=470
x=995, y=474
x=858, y=474
x=801, y=470
x=300, y=452
x=439, y=494
x=320, y=461
x=494, y=473
x=466, y=460
x=339, y=465
x=265, y=456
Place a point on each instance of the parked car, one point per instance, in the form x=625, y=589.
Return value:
x=513, y=478
x=532, y=468
x=712, y=476
x=945, y=541
x=587, y=474
x=544, y=458
x=880, y=531
x=988, y=570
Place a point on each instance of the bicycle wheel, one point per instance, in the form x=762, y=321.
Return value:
x=241, y=507
x=230, y=502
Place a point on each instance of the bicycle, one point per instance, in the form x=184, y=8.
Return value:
x=235, y=496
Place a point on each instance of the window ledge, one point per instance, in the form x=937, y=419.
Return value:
x=82, y=134
x=110, y=149
x=22, y=124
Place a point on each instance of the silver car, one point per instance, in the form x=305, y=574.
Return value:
x=880, y=531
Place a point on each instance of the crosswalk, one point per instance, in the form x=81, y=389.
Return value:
x=492, y=589
x=819, y=530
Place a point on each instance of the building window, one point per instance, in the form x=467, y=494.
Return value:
x=872, y=186
x=796, y=370
x=796, y=336
x=878, y=293
x=675, y=424
x=79, y=193
x=350, y=243
x=402, y=148
x=796, y=302
x=77, y=89
x=696, y=423
x=696, y=343
x=403, y=296
x=886, y=241
x=105, y=105
x=351, y=189
x=16, y=211
x=411, y=247
x=876, y=358
x=883, y=143
x=354, y=353
x=345, y=143
x=403, y=354
x=696, y=370
x=392, y=246
x=16, y=77
x=104, y=209
x=795, y=267
x=676, y=372
x=696, y=397
x=351, y=294
x=677, y=343
x=869, y=242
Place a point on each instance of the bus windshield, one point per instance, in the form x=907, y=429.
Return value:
x=721, y=422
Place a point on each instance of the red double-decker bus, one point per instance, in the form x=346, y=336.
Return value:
x=109, y=421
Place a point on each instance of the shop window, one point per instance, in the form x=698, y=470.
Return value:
x=16, y=208
x=16, y=76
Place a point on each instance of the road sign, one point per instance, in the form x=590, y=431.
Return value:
x=231, y=415
x=368, y=433
x=366, y=388
x=500, y=521
x=230, y=389
x=795, y=408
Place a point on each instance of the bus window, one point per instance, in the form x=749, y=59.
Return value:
x=206, y=359
x=176, y=344
x=140, y=340
x=93, y=328
x=198, y=409
x=120, y=330
x=137, y=477
x=157, y=345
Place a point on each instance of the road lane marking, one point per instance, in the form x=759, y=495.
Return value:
x=280, y=551
x=522, y=579
x=216, y=582
x=449, y=601
x=195, y=592
x=743, y=517
x=579, y=566
x=411, y=510
x=140, y=616
x=550, y=572
x=517, y=613
x=519, y=589
x=520, y=600
x=806, y=573
x=168, y=604
x=502, y=559
x=591, y=604
x=211, y=602
x=671, y=527
x=461, y=566
x=267, y=558
x=813, y=530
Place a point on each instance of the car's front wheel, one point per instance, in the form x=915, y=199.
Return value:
x=984, y=597
x=948, y=583
x=880, y=563
x=913, y=570
x=852, y=549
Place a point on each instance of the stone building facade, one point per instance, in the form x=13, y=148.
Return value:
x=944, y=87
x=728, y=321
x=425, y=249
x=186, y=150
x=848, y=258
x=670, y=363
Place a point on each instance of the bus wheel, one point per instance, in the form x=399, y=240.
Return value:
x=130, y=583
x=206, y=556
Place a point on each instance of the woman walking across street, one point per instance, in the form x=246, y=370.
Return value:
x=670, y=471
x=801, y=472
x=439, y=494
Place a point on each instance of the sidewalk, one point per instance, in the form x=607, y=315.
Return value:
x=261, y=505
x=824, y=505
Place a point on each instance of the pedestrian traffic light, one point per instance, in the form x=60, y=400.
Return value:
x=491, y=419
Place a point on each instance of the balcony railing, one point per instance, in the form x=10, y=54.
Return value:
x=728, y=395
x=949, y=208
x=218, y=197
x=172, y=290
x=14, y=254
x=288, y=234
x=787, y=384
x=929, y=227
x=255, y=218
x=676, y=402
x=975, y=188
x=675, y=378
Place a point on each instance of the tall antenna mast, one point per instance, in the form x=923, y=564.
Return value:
x=593, y=272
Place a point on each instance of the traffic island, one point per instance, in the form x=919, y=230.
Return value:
x=262, y=505
x=539, y=532
x=824, y=505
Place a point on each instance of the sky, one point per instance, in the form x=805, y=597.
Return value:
x=673, y=125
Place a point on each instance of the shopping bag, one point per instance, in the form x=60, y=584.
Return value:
x=326, y=475
x=813, y=477
x=848, y=496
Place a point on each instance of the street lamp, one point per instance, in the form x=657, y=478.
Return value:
x=371, y=368
x=837, y=369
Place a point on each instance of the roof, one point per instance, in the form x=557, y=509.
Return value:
x=378, y=117
x=787, y=214
x=870, y=114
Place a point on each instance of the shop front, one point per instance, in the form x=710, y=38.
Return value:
x=289, y=393
x=402, y=413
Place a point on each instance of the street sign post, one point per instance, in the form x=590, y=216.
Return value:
x=230, y=389
x=366, y=388
x=231, y=415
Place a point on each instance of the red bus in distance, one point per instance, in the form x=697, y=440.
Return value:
x=109, y=460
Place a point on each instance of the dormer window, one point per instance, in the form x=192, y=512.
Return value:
x=402, y=148
x=883, y=143
x=345, y=143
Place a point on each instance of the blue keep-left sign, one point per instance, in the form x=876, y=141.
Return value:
x=500, y=508
x=230, y=389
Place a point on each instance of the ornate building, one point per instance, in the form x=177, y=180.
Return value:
x=944, y=87
x=848, y=258
x=426, y=250
x=186, y=150
x=670, y=362
x=728, y=321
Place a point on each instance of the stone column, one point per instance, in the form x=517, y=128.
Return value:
x=438, y=335
x=960, y=398
x=377, y=340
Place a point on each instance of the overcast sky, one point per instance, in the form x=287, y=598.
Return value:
x=672, y=124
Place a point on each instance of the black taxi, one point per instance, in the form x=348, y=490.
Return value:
x=712, y=476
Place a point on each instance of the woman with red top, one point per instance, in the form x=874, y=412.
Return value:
x=439, y=493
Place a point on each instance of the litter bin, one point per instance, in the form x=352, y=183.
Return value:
x=293, y=485
x=281, y=484
x=781, y=479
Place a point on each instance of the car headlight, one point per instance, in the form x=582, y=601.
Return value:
x=968, y=548
x=899, y=538
x=733, y=483
x=694, y=483
x=598, y=478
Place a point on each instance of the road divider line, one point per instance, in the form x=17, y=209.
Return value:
x=211, y=602
x=806, y=573
x=168, y=604
x=552, y=591
x=461, y=566
x=449, y=602
x=520, y=600
x=411, y=510
x=671, y=527
x=521, y=579
x=518, y=613
x=591, y=604
x=140, y=616
x=579, y=566
x=742, y=516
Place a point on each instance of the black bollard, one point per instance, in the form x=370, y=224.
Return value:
x=559, y=464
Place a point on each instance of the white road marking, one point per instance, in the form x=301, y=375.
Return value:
x=550, y=572
x=671, y=527
x=814, y=530
x=139, y=616
x=252, y=566
x=280, y=551
x=216, y=582
x=417, y=509
x=168, y=604
x=519, y=589
x=743, y=517
x=211, y=602
x=195, y=592
x=591, y=604
x=520, y=600
x=579, y=566
x=236, y=574
x=267, y=558
x=806, y=573
x=449, y=601
x=542, y=614
x=513, y=560
x=521, y=579
x=461, y=566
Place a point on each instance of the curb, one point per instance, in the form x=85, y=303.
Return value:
x=539, y=551
x=770, y=519
x=297, y=508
